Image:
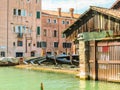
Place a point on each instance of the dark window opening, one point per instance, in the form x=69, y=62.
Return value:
x=67, y=45
x=63, y=22
x=32, y=54
x=38, y=44
x=43, y=44
x=19, y=43
x=55, y=21
x=55, y=44
x=67, y=22
x=13, y=43
x=55, y=33
x=19, y=54
x=2, y=54
x=19, y=12
x=14, y=12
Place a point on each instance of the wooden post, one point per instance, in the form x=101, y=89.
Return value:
x=42, y=88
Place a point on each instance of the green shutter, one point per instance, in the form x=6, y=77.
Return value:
x=38, y=14
x=38, y=30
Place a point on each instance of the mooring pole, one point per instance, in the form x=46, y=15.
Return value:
x=42, y=88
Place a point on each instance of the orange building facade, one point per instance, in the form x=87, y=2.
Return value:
x=53, y=24
x=20, y=22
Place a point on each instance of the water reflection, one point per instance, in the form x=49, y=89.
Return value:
x=98, y=85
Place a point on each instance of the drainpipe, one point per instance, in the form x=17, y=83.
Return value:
x=7, y=24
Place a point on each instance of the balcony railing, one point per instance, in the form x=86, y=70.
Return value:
x=20, y=35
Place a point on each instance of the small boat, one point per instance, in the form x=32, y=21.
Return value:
x=63, y=59
x=35, y=60
x=8, y=61
x=75, y=59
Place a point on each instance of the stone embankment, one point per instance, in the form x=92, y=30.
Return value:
x=66, y=69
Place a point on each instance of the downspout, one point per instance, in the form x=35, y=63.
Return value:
x=7, y=23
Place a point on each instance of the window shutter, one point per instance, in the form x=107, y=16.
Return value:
x=21, y=29
x=38, y=14
x=22, y=12
x=38, y=30
x=16, y=29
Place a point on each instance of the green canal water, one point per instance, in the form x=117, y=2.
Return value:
x=19, y=79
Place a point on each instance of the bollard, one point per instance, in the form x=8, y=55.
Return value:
x=42, y=86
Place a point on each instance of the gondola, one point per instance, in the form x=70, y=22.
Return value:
x=75, y=59
x=63, y=59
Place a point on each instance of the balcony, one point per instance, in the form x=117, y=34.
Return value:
x=20, y=35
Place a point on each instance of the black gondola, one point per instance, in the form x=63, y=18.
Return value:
x=75, y=60
x=63, y=59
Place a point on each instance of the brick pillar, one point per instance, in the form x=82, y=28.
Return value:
x=83, y=51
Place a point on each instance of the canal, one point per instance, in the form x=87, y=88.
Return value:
x=20, y=79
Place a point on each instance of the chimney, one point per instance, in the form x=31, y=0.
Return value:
x=71, y=12
x=59, y=12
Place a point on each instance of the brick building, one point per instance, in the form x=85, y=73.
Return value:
x=53, y=24
x=20, y=23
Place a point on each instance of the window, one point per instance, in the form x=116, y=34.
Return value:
x=19, y=54
x=38, y=30
x=19, y=29
x=38, y=44
x=2, y=54
x=38, y=14
x=23, y=12
x=55, y=44
x=67, y=22
x=13, y=43
x=48, y=20
x=45, y=32
x=63, y=22
x=19, y=43
x=63, y=35
x=55, y=21
x=55, y=33
x=67, y=45
x=14, y=11
x=43, y=44
x=19, y=12
x=64, y=45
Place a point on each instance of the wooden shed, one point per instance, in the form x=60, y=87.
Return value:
x=98, y=33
